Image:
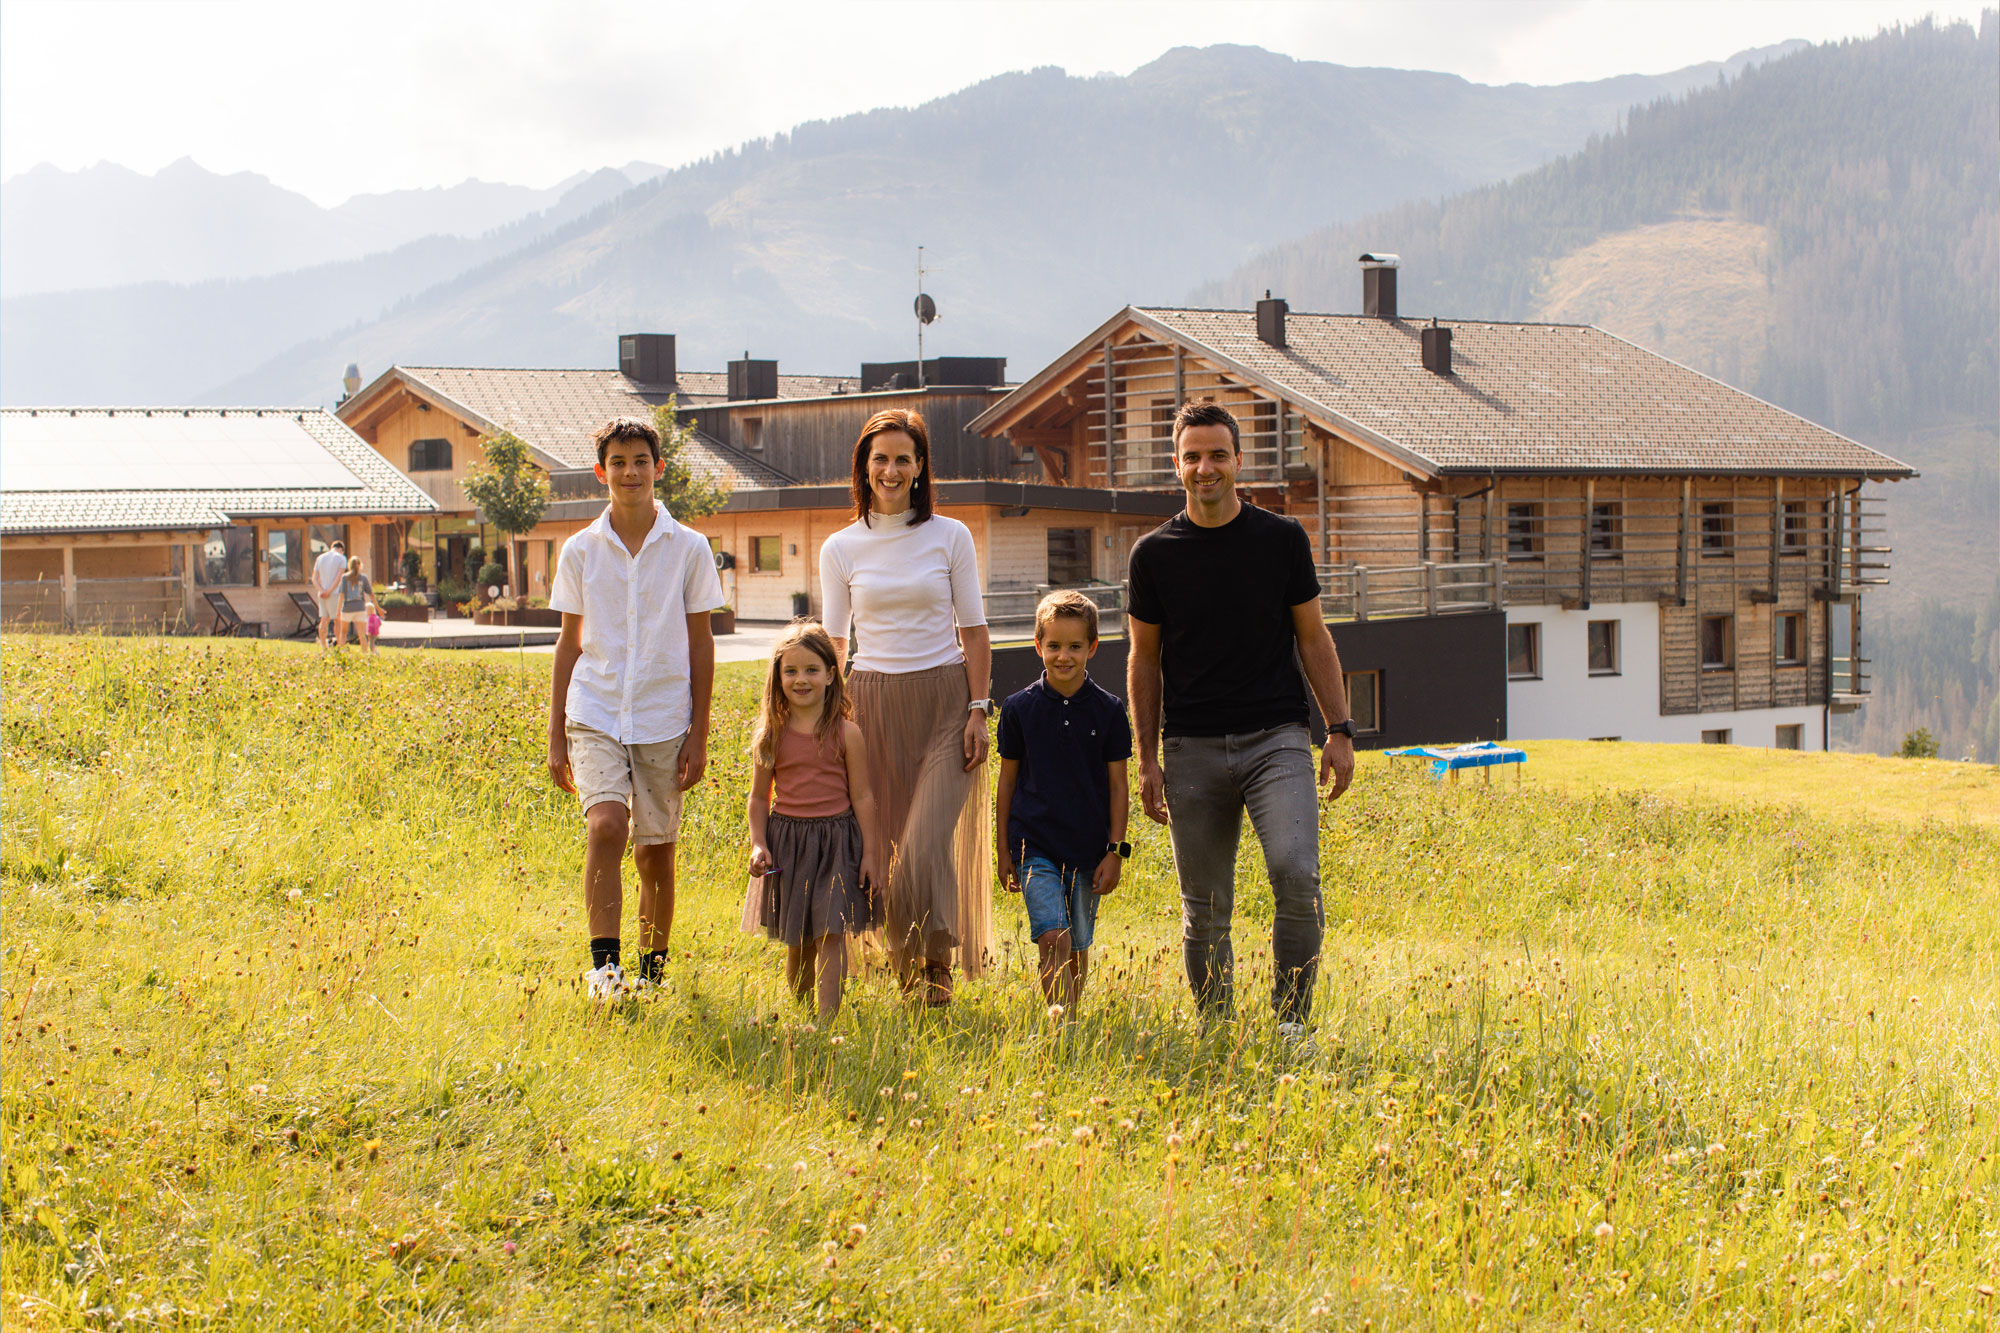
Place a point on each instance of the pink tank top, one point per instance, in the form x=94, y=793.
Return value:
x=811, y=779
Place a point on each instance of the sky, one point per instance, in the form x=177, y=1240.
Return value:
x=358, y=96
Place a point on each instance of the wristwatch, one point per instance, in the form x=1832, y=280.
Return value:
x=1124, y=850
x=1344, y=728
x=981, y=706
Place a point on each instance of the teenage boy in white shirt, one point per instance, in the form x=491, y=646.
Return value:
x=628, y=714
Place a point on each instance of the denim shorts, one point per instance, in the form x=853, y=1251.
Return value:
x=1058, y=898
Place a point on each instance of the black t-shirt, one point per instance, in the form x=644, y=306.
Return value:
x=1062, y=795
x=1223, y=600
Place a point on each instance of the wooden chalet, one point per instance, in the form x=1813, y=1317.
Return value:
x=129, y=518
x=781, y=446
x=1674, y=558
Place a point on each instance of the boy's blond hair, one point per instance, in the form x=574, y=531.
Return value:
x=1066, y=602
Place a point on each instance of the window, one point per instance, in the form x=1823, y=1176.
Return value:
x=1789, y=638
x=1524, y=532
x=1364, y=701
x=1607, y=531
x=430, y=455
x=285, y=555
x=228, y=558
x=753, y=434
x=320, y=538
x=1603, y=640
x=1719, y=736
x=765, y=554
x=1718, y=643
x=1796, y=531
x=1718, y=535
x=1069, y=556
x=1524, y=652
x=1791, y=737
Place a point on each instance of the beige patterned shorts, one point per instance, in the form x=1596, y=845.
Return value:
x=639, y=776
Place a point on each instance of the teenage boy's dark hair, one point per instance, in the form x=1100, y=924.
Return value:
x=625, y=428
x=1070, y=603
x=912, y=425
x=1207, y=412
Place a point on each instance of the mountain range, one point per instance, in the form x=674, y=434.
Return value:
x=1045, y=200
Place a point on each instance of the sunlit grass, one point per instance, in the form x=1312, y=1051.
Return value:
x=292, y=1039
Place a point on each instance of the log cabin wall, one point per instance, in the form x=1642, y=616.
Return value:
x=812, y=439
x=394, y=435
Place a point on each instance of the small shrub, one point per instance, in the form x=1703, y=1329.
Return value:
x=389, y=599
x=492, y=575
x=454, y=590
x=1919, y=744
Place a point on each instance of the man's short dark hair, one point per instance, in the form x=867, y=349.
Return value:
x=1207, y=412
x=340, y=546
x=625, y=428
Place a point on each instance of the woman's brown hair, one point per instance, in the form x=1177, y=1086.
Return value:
x=912, y=425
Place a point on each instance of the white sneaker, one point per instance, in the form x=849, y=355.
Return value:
x=606, y=983
x=1297, y=1043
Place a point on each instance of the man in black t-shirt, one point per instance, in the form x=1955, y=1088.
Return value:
x=1224, y=610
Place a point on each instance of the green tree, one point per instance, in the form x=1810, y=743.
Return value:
x=508, y=485
x=685, y=494
x=1920, y=744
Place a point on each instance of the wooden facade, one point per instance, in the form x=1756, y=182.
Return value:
x=1756, y=577
x=811, y=440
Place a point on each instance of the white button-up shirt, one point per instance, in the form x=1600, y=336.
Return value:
x=632, y=681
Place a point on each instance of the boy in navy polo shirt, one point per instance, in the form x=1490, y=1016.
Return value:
x=1060, y=810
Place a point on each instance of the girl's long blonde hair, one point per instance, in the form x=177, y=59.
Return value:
x=775, y=712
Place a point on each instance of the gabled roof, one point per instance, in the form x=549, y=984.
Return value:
x=180, y=468
x=1521, y=398
x=557, y=411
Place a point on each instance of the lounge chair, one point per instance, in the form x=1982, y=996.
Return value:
x=308, y=625
x=227, y=622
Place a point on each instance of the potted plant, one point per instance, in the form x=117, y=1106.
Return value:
x=534, y=613
x=404, y=607
x=722, y=620
x=499, y=611
x=452, y=594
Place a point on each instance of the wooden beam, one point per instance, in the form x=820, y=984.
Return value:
x=1110, y=414
x=1180, y=377
x=1589, y=515
x=1681, y=545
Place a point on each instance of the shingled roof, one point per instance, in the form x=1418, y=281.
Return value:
x=557, y=411
x=172, y=459
x=1520, y=398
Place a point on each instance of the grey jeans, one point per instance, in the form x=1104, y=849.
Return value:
x=1211, y=781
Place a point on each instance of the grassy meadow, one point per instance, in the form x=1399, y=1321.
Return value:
x=292, y=1039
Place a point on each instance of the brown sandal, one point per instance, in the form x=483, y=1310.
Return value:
x=937, y=985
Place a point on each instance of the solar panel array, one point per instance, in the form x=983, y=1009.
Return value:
x=132, y=451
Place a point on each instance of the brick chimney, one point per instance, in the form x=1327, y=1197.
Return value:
x=1437, y=349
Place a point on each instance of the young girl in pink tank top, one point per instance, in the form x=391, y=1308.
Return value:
x=812, y=818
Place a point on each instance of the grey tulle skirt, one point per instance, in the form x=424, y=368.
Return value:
x=817, y=890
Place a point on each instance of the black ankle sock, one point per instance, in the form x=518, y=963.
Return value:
x=603, y=950
x=654, y=965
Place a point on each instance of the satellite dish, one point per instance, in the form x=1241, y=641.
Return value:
x=926, y=309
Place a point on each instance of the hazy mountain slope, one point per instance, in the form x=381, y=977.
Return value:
x=1824, y=231
x=106, y=226
x=165, y=342
x=1045, y=202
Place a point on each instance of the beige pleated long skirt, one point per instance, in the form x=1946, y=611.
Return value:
x=939, y=902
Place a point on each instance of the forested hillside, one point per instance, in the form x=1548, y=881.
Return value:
x=1823, y=230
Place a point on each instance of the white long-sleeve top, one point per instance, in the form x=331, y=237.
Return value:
x=901, y=589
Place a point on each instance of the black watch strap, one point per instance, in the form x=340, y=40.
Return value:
x=1344, y=728
x=1124, y=849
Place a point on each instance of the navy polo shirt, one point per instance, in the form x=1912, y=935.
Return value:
x=1062, y=794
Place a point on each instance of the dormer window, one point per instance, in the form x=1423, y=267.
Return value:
x=430, y=455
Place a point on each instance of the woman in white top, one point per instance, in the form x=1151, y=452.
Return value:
x=905, y=582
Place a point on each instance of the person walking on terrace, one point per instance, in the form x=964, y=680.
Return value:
x=905, y=582
x=1224, y=609
x=327, y=572
x=628, y=710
